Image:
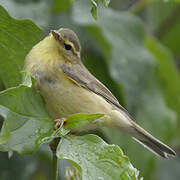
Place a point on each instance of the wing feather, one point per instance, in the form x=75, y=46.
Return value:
x=82, y=76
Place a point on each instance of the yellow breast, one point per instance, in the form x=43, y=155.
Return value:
x=63, y=97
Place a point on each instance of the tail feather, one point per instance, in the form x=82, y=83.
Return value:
x=152, y=148
x=123, y=122
x=151, y=142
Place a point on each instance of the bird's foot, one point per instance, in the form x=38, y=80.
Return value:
x=58, y=123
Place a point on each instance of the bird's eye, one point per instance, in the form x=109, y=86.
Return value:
x=67, y=46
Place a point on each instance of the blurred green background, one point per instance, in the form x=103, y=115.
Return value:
x=134, y=49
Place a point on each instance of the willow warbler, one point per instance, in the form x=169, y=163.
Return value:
x=69, y=88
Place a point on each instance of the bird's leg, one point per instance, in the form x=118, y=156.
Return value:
x=58, y=123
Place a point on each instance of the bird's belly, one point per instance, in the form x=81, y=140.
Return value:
x=69, y=98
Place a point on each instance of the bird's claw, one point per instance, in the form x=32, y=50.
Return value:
x=58, y=123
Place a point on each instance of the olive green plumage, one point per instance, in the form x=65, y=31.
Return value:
x=68, y=88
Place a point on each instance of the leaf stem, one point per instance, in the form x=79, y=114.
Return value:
x=55, y=167
x=53, y=146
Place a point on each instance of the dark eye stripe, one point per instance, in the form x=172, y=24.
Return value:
x=67, y=46
x=75, y=44
x=70, y=48
x=58, y=37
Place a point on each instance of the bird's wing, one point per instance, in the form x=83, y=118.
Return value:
x=79, y=74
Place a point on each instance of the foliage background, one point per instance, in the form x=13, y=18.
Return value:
x=134, y=49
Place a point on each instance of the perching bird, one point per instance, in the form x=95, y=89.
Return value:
x=69, y=88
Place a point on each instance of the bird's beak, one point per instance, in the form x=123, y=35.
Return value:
x=56, y=35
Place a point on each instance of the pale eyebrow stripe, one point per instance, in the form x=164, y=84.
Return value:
x=74, y=51
x=58, y=37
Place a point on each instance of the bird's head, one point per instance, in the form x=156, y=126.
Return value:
x=68, y=44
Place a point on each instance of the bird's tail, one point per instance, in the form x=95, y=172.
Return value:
x=124, y=122
x=150, y=142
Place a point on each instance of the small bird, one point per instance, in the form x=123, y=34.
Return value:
x=69, y=88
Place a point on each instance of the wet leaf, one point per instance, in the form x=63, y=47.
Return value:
x=76, y=120
x=16, y=39
x=95, y=158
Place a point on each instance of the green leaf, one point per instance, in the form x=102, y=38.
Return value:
x=106, y=2
x=64, y=6
x=95, y=4
x=16, y=39
x=26, y=121
x=133, y=67
x=76, y=120
x=94, y=9
x=163, y=20
x=5, y=134
x=72, y=122
x=95, y=158
x=27, y=125
x=27, y=79
x=168, y=74
x=61, y=6
x=36, y=10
